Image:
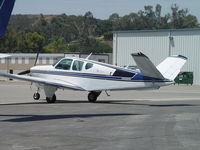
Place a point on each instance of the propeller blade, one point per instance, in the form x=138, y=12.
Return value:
x=28, y=71
x=38, y=52
x=24, y=72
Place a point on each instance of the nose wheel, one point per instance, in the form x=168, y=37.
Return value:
x=36, y=96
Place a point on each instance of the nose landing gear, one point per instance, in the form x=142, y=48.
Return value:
x=36, y=96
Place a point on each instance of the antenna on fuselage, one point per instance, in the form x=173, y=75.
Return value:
x=88, y=56
x=127, y=66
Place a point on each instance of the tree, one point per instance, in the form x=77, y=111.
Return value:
x=8, y=42
x=190, y=21
x=88, y=45
x=34, y=42
x=103, y=26
x=177, y=17
x=57, y=45
x=115, y=19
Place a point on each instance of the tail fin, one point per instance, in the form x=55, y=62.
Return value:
x=171, y=66
x=6, y=7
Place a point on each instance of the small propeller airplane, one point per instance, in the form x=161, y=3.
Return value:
x=95, y=77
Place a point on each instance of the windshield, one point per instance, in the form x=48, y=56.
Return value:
x=64, y=64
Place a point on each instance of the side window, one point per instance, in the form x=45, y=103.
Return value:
x=88, y=66
x=121, y=73
x=64, y=64
x=77, y=65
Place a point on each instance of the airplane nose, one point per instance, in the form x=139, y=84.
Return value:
x=24, y=72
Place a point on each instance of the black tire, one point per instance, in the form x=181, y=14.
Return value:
x=51, y=99
x=36, y=96
x=92, y=97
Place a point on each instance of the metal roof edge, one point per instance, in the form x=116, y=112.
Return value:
x=34, y=54
x=158, y=30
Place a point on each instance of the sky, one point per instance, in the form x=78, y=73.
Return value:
x=101, y=9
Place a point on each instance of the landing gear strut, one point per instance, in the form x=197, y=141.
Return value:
x=50, y=93
x=92, y=96
x=36, y=96
x=51, y=99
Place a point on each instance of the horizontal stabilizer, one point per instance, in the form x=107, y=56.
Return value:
x=146, y=67
x=6, y=7
x=171, y=66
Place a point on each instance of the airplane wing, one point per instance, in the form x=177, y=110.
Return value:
x=51, y=82
x=146, y=66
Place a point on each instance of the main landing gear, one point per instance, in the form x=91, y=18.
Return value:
x=51, y=99
x=49, y=92
x=93, y=95
x=36, y=96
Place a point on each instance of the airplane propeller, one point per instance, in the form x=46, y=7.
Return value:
x=28, y=71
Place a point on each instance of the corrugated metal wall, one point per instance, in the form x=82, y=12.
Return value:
x=157, y=45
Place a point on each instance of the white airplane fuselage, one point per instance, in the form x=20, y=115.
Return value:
x=95, y=77
x=99, y=77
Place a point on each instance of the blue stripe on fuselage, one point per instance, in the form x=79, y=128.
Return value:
x=75, y=74
x=137, y=78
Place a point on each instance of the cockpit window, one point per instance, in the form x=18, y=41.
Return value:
x=88, y=66
x=77, y=65
x=64, y=64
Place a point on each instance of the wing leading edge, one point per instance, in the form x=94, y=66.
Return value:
x=56, y=83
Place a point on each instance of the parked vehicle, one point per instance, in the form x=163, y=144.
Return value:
x=184, y=78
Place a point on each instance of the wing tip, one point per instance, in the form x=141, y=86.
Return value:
x=180, y=56
x=138, y=54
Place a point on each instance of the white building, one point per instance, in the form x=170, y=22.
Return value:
x=157, y=45
x=23, y=61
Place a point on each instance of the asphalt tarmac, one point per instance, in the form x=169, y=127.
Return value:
x=165, y=119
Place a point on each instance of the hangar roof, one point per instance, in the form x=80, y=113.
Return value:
x=34, y=54
x=159, y=30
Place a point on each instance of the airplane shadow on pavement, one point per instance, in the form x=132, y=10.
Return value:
x=112, y=102
x=30, y=118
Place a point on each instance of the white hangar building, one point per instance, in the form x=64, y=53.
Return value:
x=157, y=45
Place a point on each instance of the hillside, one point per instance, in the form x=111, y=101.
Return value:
x=85, y=33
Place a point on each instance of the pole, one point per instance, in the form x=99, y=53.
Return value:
x=170, y=38
x=116, y=41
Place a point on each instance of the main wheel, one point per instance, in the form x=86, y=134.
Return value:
x=36, y=96
x=51, y=99
x=92, y=97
